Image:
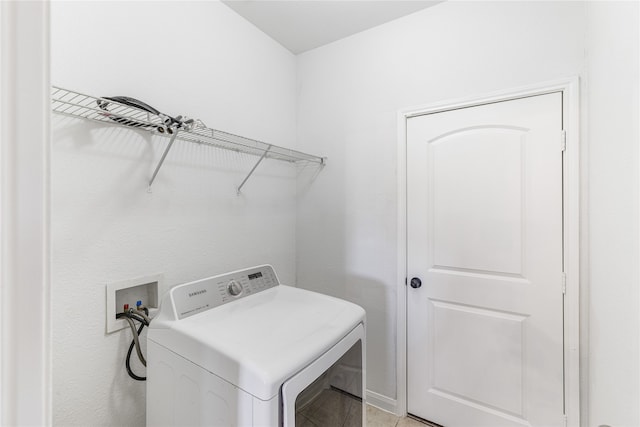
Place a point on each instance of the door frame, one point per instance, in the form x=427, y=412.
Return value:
x=25, y=251
x=571, y=230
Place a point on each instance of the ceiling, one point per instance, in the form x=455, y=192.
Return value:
x=301, y=25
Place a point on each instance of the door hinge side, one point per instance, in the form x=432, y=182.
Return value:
x=564, y=283
x=563, y=140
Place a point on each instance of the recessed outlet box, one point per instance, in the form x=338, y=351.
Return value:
x=147, y=289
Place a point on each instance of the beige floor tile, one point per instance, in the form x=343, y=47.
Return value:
x=302, y=421
x=331, y=408
x=355, y=416
x=379, y=418
x=409, y=422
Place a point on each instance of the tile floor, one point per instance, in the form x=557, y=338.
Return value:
x=337, y=409
x=330, y=408
x=379, y=418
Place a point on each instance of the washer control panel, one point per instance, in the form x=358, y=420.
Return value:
x=195, y=297
x=234, y=288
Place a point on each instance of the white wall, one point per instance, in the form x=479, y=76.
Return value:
x=202, y=60
x=198, y=59
x=349, y=94
x=613, y=138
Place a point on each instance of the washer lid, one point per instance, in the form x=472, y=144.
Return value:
x=259, y=341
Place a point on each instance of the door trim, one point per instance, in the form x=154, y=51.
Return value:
x=571, y=219
x=25, y=285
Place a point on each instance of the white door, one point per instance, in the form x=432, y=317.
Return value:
x=484, y=203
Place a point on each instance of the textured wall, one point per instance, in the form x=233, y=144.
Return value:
x=198, y=59
x=349, y=94
x=201, y=59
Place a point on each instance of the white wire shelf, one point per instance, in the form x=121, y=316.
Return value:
x=76, y=104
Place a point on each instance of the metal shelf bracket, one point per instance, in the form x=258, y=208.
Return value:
x=164, y=156
x=254, y=168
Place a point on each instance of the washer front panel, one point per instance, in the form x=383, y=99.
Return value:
x=202, y=295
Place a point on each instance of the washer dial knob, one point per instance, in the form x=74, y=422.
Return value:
x=234, y=288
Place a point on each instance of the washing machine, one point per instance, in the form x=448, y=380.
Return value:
x=241, y=349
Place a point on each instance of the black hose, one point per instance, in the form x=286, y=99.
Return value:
x=128, y=360
x=132, y=315
x=168, y=121
x=131, y=102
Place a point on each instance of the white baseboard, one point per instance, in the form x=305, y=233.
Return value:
x=381, y=401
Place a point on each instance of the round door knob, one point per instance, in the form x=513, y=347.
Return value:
x=416, y=283
x=234, y=288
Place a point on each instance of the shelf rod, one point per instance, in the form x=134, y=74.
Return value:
x=164, y=155
x=254, y=168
